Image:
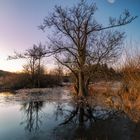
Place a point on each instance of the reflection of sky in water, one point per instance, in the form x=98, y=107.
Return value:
x=13, y=121
x=41, y=119
x=21, y=119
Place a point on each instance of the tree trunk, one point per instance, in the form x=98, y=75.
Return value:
x=33, y=72
x=76, y=86
x=38, y=77
x=82, y=87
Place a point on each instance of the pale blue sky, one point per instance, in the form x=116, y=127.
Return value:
x=19, y=20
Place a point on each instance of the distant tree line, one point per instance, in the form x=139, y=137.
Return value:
x=13, y=81
x=55, y=77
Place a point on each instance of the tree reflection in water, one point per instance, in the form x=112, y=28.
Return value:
x=33, y=119
x=90, y=123
x=78, y=120
x=83, y=112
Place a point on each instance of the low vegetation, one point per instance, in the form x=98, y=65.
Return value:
x=127, y=96
x=130, y=90
x=14, y=81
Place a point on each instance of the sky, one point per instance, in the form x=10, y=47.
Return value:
x=19, y=21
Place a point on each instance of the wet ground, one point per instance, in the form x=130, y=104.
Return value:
x=52, y=114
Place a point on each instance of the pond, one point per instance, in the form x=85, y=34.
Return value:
x=52, y=114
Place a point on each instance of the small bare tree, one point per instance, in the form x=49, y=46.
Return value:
x=34, y=58
x=79, y=40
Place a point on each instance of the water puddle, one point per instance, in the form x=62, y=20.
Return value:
x=52, y=114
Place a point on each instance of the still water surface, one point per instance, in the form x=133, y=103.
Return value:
x=51, y=116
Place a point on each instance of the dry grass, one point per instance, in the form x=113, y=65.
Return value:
x=129, y=94
x=105, y=88
x=125, y=97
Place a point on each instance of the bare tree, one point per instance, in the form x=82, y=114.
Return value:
x=79, y=40
x=34, y=65
x=59, y=72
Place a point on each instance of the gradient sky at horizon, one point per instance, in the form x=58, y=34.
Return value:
x=19, y=21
